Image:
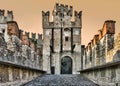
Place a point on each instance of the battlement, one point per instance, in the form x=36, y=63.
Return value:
x=108, y=28
x=4, y=18
x=78, y=14
x=32, y=35
x=62, y=15
x=20, y=53
x=61, y=9
x=95, y=39
x=10, y=30
x=102, y=44
x=46, y=13
x=13, y=29
x=101, y=55
x=2, y=12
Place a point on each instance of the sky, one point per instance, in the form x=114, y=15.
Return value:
x=28, y=14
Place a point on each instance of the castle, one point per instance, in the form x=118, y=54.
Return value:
x=59, y=51
x=62, y=40
x=64, y=54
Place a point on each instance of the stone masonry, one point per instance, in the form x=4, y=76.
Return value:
x=101, y=57
x=62, y=40
x=20, y=55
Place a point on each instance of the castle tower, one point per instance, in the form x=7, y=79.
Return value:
x=108, y=33
x=62, y=40
x=3, y=22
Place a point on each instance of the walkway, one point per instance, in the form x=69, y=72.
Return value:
x=60, y=80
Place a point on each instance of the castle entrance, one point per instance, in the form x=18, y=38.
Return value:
x=66, y=65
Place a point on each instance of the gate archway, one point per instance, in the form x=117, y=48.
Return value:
x=66, y=65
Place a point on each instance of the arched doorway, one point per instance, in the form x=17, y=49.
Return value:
x=66, y=65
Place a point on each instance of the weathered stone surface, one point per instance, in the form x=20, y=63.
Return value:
x=2, y=17
x=25, y=40
x=19, y=61
x=12, y=28
x=4, y=74
x=105, y=58
x=61, y=80
x=61, y=38
x=9, y=15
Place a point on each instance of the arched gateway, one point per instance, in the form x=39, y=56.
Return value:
x=66, y=65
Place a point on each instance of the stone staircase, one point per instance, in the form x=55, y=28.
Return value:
x=60, y=80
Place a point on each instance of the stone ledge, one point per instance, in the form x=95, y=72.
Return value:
x=109, y=64
x=15, y=83
x=13, y=64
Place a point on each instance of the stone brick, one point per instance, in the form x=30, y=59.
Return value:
x=61, y=38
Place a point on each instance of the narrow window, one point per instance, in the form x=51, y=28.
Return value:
x=3, y=30
x=66, y=38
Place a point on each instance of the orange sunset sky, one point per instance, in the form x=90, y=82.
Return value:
x=27, y=13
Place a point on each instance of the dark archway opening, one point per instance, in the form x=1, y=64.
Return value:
x=66, y=65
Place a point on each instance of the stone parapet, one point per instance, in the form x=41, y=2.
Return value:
x=18, y=66
x=18, y=54
x=103, y=47
x=102, y=57
x=104, y=75
x=16, y=75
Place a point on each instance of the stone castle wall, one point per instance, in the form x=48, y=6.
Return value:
x=20, y=55
x=101, y=58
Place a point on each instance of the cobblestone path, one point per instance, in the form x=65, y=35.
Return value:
x=60, y=80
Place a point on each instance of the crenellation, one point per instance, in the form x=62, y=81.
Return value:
x=100, y=45
x=61, y=9
x=23, y=56
x=108, y=27
x=95, y=39
x=33, y=36
x=61, y=35
x=2, y=12
x=4, y=19
x=39, y=41
x=19, y=52
x=104, y=50
x=2, y=16
x=32, y=44
x=100, y=34
x=78, y=18
x=20, y=33
x=9, y=15
x=27, y=34
x=45, y=18
x=70, y=12
x=78, y=14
